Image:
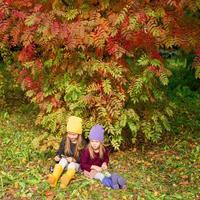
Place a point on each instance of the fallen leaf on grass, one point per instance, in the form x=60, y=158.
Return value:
x=156, y=193
x=16, y=185
x=34, y=189
x=197, y=166
x=198, y=196
x=147, y=164
x=177, y=158
x=133, y=150
x=148, y=179
x=184, y=183
x=23, y=160
x=151, y=153
x=49, y=195
x=184, y=176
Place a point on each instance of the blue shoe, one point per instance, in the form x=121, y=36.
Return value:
x=115, y=184
x=121, y=182
x=118, y=180
x=107, y=182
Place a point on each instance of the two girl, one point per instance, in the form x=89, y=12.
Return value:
x=68, y=154
x=93, y=160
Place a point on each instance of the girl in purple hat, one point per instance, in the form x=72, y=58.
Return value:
x=94, y=160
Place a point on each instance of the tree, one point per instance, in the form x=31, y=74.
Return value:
x=98, y=59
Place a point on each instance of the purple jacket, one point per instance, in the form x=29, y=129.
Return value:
x=86, y=162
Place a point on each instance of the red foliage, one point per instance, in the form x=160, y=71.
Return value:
x=8, y=2
x=39, y=97
x=38, y=64
x=55, y=102
x=19, y=14
x=57, y=40
x=22, y=74
x=26, y=53
x=141, y=17
x=156, y=55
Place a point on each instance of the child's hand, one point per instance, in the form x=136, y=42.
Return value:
x=97, y=168
x=57, y=158
x=70, y=159
x=104, y=166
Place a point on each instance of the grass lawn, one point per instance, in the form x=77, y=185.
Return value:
x=169, y=170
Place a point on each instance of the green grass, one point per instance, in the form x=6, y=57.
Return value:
x=167, y=171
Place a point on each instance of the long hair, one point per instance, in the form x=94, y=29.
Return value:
x=101, y=151
x=78, y=148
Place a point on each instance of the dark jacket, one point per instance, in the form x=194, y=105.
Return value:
x=61, y=151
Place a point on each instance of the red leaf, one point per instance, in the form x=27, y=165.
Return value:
x=26, y=53
x=155, y=54
x=37, y=8
x=28, y=82
x=40, y=97
x=152, y=68
x=55, y=102
x=19, y=14
x=141, y=17
x=38, y=64
x=8, y=2
x=55, y=28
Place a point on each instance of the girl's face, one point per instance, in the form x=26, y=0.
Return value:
x=72, y=136
x=95, y=144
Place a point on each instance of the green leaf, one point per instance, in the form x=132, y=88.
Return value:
x=164, y=79
x=155, y=62
x=49, y=107
x=71, y=14
x=197, y=72
x=123, y=120
x=48, y=63
x=30, y=93
x=143, y=60
x=107, y=86
x=133, y=127
x=30, y=20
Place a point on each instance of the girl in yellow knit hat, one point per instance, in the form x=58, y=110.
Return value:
x=68, y=154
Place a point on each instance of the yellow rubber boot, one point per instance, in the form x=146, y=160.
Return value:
x=53, y=178
x=67, y=177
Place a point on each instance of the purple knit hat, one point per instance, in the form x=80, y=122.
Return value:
x=97, y=133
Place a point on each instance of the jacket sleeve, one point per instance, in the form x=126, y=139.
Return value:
x=84, y=160
x=106, y=157
x=61, y=150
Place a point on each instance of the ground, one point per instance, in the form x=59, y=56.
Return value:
x=168, y=170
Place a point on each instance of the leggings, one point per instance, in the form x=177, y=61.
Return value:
x=66, y=165
x=97, y=175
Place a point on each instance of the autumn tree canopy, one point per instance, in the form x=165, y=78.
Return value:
x=99, y=60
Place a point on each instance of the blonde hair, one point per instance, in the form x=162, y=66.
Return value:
x=78, y=148
x=101, y=151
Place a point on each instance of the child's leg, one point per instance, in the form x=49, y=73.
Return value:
x=58, y=169
x=66, y=178
x=99, y=176
x=63, y=162
x=105, y=180
x=114, y=178
x=118, y=180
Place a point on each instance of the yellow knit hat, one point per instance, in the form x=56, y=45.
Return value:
x=74, y=125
